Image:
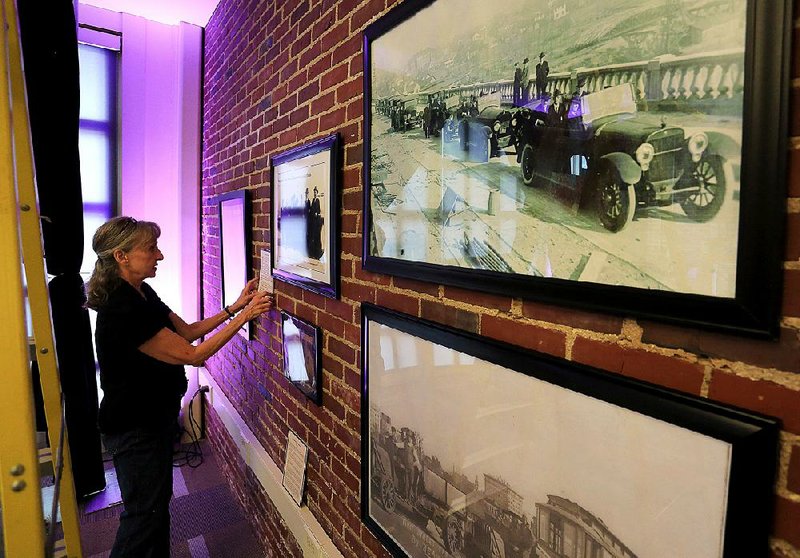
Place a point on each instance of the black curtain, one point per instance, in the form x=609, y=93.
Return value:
x=50, y=58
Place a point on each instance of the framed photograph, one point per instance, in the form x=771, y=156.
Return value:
x=235, y=241
x=472, y=447
x=302, y=359
x=305, y=211
x=603, y=154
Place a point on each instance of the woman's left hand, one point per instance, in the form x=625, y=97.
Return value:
x=247, y=295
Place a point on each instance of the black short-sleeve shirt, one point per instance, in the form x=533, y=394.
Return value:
x=138, y=391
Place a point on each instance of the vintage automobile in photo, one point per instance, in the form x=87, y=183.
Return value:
x=405, y=113
x=483, y=135
x=619, y=161
x=471, y=522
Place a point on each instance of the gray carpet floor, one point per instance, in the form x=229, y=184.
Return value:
x=207, y=521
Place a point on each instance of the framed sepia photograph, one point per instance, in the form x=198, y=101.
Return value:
x=235, y=229
x=302, y=359
x=605, y=154
x=475, y=448
x=305, y=210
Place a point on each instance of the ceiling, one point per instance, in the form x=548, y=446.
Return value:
x=171, y=12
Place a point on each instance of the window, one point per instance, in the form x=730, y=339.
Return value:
x=97, y=142
x=557, y=534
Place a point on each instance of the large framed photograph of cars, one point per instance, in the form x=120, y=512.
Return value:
x=305, y=216
x=235, y=244
x=472, y=447
x=615, y=155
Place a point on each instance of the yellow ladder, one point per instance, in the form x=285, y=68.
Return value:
x=20, y=491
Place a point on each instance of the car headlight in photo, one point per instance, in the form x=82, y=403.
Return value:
x=644, y=155
x=697, y=145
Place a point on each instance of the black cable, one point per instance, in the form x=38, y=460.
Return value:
x=191, y=455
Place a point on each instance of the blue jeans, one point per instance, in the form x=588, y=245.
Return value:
x=143, y=461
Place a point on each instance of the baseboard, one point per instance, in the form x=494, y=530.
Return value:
x=310, y=535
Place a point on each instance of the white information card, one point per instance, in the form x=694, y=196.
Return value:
x=265, y=276
x=294, y=469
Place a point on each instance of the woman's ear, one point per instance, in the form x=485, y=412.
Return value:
x=120, y=256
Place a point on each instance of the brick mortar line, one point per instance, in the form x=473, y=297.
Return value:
x=782, y=480
x=569, y=343
x=706, y=384
x=791, y=322
x=789, y=380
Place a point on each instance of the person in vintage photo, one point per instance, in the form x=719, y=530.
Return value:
x=523, y=80
x=516, y=94
x=542, y=71
x=556, y=111
x=314, y=222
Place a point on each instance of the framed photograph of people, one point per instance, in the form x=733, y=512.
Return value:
x=305, y=210
x=606, y=154
x=235, y=245
x=472, y=447
x=302, y=359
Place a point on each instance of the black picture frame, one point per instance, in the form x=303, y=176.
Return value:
x=235, y=241
x=608, y=454
x=301, y=340
x=741, y=294
x=312, y=264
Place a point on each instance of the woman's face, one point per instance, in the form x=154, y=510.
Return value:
x=143, y=260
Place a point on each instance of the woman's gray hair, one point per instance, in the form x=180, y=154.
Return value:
x=119, y=233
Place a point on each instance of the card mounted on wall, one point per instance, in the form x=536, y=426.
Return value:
x=294, y=468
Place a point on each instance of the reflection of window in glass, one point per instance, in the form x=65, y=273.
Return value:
x=442, y=356
x=387, y=351
x=406, y=352
x=295, y=363
x=465, y=359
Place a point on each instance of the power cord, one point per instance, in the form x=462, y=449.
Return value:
x=192, y=454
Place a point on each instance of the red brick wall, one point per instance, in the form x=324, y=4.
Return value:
x=278, y=74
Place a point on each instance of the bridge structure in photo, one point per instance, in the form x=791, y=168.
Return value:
x=711, y=83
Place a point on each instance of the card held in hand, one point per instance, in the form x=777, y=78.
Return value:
x=265, y=283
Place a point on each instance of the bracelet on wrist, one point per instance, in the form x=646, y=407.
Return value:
x=228, y=312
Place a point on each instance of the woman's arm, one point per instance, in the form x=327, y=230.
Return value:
x=193, y=332
x=169, y=347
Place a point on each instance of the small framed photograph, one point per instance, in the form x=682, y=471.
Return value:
x=301, y=356
x=305, y=232
x=235, y=241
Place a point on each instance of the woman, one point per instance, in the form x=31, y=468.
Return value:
x=141, y=349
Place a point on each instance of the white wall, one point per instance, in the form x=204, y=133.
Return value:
x=160, y=140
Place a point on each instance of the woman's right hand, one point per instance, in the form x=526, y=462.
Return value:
x=260, y=303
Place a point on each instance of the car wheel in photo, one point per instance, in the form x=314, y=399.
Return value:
x=704, y=204
x=527, y=164
x=616, y=201
x=388, y=497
